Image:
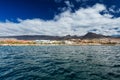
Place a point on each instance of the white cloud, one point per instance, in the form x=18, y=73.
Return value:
x=77, y=23
x=114, y=10
x=69, y=6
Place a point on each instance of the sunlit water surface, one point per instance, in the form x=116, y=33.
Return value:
x=60, y=63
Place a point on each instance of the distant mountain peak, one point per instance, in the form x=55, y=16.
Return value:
x=91, y=35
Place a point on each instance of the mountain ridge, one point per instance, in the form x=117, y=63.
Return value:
x=89, y=35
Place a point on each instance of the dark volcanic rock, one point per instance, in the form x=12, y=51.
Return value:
x=91, y=35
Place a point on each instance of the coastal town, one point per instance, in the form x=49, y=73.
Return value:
x=88, y=39
x=102, y=41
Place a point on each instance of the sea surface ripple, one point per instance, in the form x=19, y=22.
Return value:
x=59, y=62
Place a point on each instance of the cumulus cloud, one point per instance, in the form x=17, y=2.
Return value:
x=67, y=23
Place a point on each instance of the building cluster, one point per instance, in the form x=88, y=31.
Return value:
x=70, y=42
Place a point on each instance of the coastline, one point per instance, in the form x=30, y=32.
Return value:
x=59, y=44
x=71, y=42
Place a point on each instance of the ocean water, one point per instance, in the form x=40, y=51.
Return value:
x=60, y=63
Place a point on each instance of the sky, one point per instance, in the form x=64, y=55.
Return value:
x=59, y=17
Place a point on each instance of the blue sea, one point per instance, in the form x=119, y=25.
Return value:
x=59, y=62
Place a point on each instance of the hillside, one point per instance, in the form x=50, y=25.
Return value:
x=89, y=35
